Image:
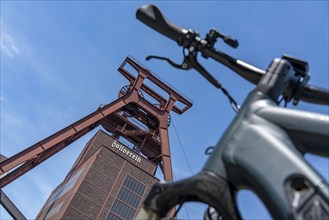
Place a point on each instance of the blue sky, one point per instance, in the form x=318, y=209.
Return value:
x=59, y=63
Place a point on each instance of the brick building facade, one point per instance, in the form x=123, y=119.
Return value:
x=108, y=181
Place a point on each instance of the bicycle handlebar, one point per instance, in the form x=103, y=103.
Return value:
x=153, y=17
x=245, y=70
x=315, y=95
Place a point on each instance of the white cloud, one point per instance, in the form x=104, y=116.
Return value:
x=14, y=46
x=8, y=44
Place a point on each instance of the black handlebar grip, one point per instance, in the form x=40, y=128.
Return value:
x=152, y=17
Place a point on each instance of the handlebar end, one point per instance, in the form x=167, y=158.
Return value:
x=153, y=17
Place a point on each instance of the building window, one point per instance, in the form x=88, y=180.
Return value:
x=133, y=185
x=128, y=200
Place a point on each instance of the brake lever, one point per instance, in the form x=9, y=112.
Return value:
x=186, y=65
x=190, y=61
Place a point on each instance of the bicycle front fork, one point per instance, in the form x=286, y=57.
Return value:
x=205, y=187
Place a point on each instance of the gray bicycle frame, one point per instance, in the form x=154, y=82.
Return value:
x=262, y=150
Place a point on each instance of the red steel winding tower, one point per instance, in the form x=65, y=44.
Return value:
x=116, y=168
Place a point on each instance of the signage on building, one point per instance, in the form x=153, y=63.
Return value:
x=126, y=151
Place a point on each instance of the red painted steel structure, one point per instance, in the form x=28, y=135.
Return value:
x=119, y=118
x=8, y=204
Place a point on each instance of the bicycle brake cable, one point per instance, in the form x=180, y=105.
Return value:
x=233, y=103
x=189, y=62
